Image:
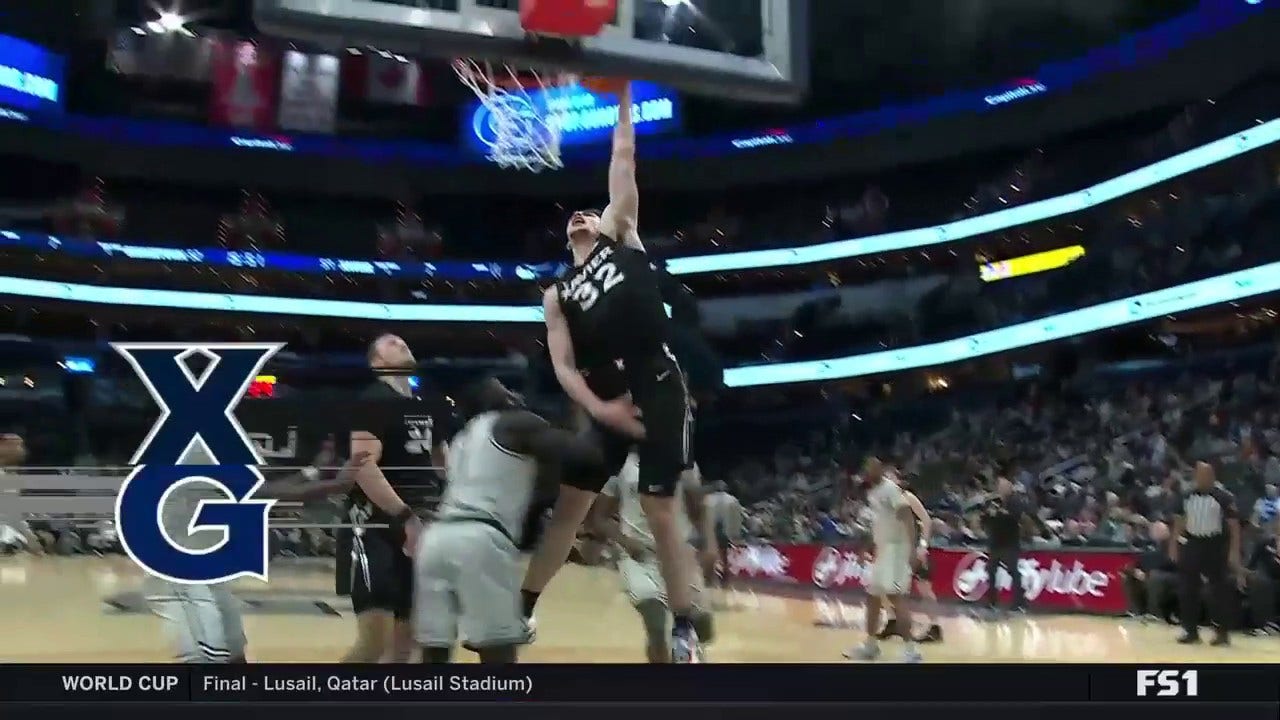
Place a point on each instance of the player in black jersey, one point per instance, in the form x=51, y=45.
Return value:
x=607, y=335
x=408, y=440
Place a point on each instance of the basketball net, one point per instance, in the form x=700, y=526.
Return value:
x=519, y=129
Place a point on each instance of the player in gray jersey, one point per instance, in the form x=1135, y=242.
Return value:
x=467, y=563
x=203, y=622
x=618, y=516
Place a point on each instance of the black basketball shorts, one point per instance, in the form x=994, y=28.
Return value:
x=666, y=450
x=381, y=574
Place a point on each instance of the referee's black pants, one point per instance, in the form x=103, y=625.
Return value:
x=1205, y=560
x=1006, y=555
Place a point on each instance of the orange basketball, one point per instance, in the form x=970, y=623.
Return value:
x=603, y=85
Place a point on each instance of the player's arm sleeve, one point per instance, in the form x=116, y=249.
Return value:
x=621, y=216
x=563, y=360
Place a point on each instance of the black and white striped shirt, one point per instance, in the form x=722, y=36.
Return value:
x=1206, y=512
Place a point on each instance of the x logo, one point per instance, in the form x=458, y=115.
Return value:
x=203, y=404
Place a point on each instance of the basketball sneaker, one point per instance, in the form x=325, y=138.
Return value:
x=685, y=649
x=530, y=630
x=890, y=629
x=868, y=650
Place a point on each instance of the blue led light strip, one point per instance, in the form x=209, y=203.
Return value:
x=1141, y=179
x=1148, y=306
x=1224, y=149
x=1202, y=293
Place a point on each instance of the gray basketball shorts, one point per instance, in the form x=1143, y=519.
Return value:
x=202, y=622
x=467, y=579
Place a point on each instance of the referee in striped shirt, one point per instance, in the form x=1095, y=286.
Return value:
x=1207, y=525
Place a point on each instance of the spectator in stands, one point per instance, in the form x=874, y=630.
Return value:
x=13, y=453
x=1071, y=535
x=1267, y=509
x=1262, y=580
x=1152, y=583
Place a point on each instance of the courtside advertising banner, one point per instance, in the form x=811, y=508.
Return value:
x=1061, y=580
x=31, y=78
x=245, y=85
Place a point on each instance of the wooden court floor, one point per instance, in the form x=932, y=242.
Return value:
x=54, y=611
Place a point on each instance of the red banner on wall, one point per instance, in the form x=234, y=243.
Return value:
x=245, y=85
x=1051, y=579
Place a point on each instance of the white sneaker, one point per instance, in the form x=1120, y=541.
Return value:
x=685, y=649
x=865, y=651
x=912, y=655
x=530, y=630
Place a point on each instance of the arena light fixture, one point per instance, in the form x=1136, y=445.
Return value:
x=171, y=21
x=1259, y=136
x=1234, y=145
x=1138, y=308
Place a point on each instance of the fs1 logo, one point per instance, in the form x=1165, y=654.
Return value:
x=196, y=414
x=1169, y=683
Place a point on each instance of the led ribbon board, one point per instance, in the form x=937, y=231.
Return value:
x=1140, y=179
x=1203, y=293
x=1148, y=306
x=584, y=117
x=1181, y=164
x=31, y=78
x=1030, y=264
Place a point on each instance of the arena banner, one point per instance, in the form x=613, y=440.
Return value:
x=1064, y=580
x=309, y=92
x=166, y=55
x=246, y=79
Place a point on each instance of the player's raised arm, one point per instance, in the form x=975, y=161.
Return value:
x=620, y=217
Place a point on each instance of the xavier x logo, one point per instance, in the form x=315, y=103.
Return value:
x=196, y=441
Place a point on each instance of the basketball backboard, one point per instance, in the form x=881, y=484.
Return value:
x=755, y=50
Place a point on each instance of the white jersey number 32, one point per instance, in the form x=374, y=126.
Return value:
x=605, y=278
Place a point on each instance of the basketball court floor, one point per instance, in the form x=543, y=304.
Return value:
x=56, y=610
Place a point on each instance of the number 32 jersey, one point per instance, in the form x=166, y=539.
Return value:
x=613, y=306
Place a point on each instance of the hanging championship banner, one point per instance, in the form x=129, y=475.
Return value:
x=244, y=85
x=309, y=92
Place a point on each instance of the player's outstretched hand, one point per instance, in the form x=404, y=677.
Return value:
x=412, y=530
x=621, y=415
